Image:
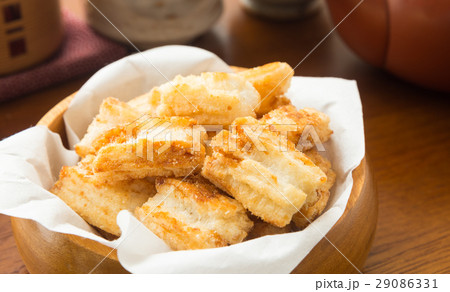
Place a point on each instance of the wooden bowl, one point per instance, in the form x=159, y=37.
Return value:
x=45, y=251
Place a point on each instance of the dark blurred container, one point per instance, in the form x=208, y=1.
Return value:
x=30, y=32
x=281, y=9
x=149, y=23
x=410, y=39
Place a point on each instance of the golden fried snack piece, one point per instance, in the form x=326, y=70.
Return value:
x=312, y=211
x=211, y=98
x=251, y=164
x=279, y=101
x=304, y=121
x=261, y=228
x=194, y=214
x=141, y=104
x=271, y=81
x=97, y=202
x=112, y=113
x=150, y=147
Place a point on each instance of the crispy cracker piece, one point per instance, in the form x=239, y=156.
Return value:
x=211, y=98
x=150, y=147
x=271, y=81
x=314, y=209
x=279, y=101
x=303, y=120
x=267, y=175
x=141, y=104
x=112, y=113
x=194, y=214
x=98, y=202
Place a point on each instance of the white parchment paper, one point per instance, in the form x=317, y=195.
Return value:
x=30, y=162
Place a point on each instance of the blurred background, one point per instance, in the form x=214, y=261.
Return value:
x=397, y=51
x=61, y=40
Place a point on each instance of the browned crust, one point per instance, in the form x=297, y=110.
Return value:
x=309, y=212
x=262, y=180
x=289, y=115
x=99, y=202
x=194, y=214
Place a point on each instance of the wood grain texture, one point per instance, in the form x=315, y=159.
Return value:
x=407, y=134
x=10, y=260
x=47, y=252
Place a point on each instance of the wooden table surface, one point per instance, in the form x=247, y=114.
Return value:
x=407, y=133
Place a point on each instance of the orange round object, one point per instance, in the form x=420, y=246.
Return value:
x=409, y=38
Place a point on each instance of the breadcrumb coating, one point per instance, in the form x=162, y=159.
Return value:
x=194, y=214
x=156, y=147
x=212, y=98
x=99, y=202
x=251, y=165
x=300, y=119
